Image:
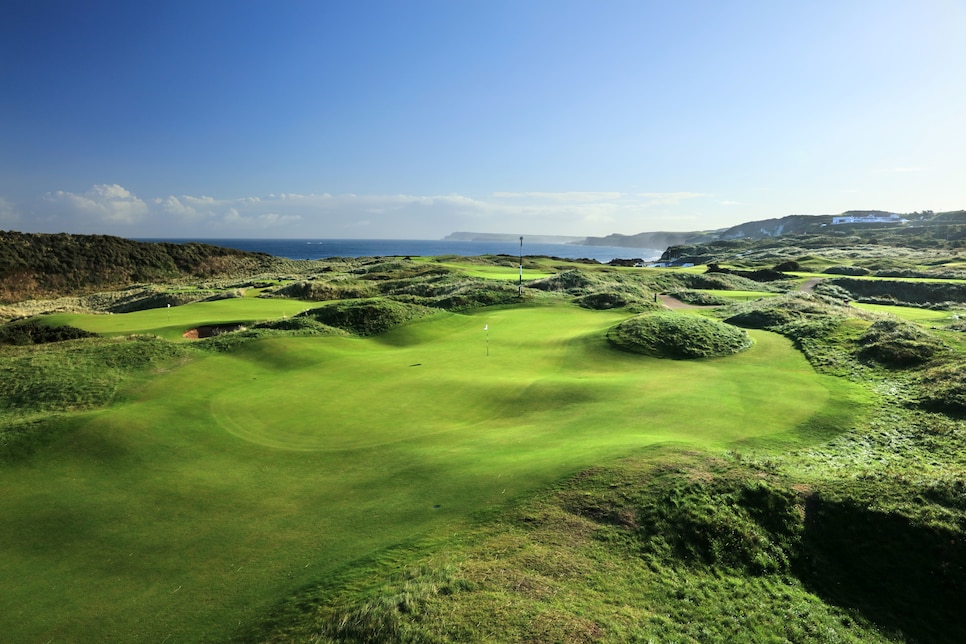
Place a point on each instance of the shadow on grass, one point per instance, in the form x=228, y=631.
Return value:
x=904, y=577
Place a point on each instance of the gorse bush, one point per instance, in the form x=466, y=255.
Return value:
x=32, y=332
x=670, y=335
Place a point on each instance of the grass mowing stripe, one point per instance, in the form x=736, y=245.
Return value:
x=151, y=520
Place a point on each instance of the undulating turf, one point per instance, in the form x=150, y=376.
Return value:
x=205, y=496
x=739, y=296
x=171, y=323
x=911, y=313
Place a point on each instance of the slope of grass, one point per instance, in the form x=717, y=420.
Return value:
x=911, y=313
x=171, y=323
x=669, y=335
x=669, y=545
x=215, y=490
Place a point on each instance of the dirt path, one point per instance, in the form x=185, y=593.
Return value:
x=809, y=285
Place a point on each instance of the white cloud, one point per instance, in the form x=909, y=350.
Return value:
x=108, y=203
x=112, y=209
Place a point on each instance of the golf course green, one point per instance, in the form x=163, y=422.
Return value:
x=203, y=497
x=171, y=323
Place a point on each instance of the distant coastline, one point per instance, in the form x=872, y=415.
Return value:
x=326, y=248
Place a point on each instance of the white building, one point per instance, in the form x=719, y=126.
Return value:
x=870, y=218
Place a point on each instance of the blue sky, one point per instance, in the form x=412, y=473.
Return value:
x=413, y=119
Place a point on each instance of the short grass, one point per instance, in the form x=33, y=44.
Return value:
x=208, y=494
x=592, y=560
x=911, y=313
x=739, y=296
x=171, y=323
x=493, y=272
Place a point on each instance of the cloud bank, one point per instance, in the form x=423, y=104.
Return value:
x=112, y=209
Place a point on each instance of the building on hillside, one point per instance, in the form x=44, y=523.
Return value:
x=869, y=218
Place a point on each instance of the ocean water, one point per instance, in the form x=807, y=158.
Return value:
x=324, y=248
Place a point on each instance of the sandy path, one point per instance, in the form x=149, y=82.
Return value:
x=809, y=285
x=675, y=303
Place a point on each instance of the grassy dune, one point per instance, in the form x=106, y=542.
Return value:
x=217, y=489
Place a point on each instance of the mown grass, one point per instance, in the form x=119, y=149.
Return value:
x=911, y=313
x=171, y=323
x=410, y=487
x=607, y=556
x=211, y=492
x=740, y=296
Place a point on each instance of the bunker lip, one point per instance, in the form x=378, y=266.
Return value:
x=211, y=330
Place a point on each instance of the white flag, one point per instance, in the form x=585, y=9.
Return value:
x=486, y=327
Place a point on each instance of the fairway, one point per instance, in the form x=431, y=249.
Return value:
x=171, y=323
x=913, y=314
x=225, y=485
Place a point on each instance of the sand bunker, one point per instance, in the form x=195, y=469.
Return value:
x=211, y=330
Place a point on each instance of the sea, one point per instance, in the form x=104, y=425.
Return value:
x=325, y=248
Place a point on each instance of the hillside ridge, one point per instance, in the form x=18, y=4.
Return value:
x=41, y=264
x=786, y=225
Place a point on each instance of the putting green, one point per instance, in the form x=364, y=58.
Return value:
x=225, y=485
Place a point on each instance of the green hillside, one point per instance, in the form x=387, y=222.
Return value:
x=36, y=265
x=412, y=450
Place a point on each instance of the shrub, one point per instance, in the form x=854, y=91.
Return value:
x=367, y=317
x=32, y=332
x=566, y=281
x=602, y=301
x=670, y=335
x=789, y=266
x=765, y=318
x=854, y=271
x=904, y=291
x=896, y=343
x=700, y=298
x=450, y=292
x=321, y=291
x=943, y=388
x=709, y=281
